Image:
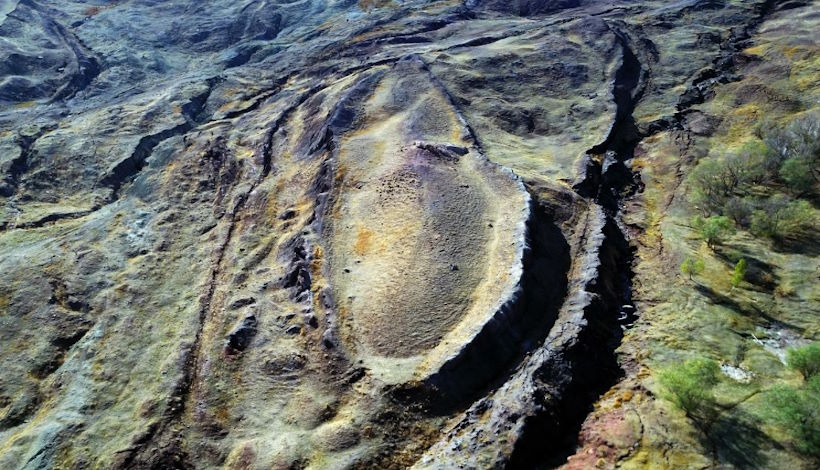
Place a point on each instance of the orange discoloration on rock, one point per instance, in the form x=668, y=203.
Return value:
x=364, y=240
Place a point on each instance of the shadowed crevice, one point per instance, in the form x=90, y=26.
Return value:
x=515, y=330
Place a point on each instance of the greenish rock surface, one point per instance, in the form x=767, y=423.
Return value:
x=391, y=234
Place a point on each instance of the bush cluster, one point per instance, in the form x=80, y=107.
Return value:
x=797, y=409
x=805, y=360
x=780, y=217
x=728, y=188
x=797, y=149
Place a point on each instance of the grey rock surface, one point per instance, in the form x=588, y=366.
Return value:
x=324, y=234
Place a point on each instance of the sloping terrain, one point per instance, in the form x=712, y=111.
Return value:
x=392, y=234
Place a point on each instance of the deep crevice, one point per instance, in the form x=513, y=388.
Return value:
x=20, y=164
x=127, y=170
x=570, y=383
x=591, y=366
x=88, y=66
x=573, y=382
x=521, y=324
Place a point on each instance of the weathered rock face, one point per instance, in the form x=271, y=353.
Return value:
x=322, y=233
x=525, y=7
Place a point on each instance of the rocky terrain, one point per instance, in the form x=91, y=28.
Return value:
x=392, y=234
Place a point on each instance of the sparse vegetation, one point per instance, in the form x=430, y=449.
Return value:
x=368, y=5
x=784, y=290
x=689, y=387
x=759, y=169
x=92, y=10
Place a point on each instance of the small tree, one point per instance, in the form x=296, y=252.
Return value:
x=797, y=410
x=747, y=166
x=739, y=274
x=689, y=386
x=797, y=174
x=800, y=140
x=739, y=210
x=692, y=266
x=710, y=185
x=714, y=229
x=805, y=360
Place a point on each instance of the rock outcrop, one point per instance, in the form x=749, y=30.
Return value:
x=324, y=234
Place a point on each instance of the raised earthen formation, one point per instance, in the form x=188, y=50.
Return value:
x=325, y=234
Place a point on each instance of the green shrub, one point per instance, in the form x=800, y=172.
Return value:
x=716, y=179
x=800, y=137
x=740, y=210
x=797, y=148
x=689, y=386
x=739, y=273
x=748, y=165
x=692, y=267
x=797, y=410
x=781, y=217
x=714, y=229
x=709, y=185
x=805, y=360
x=797, y=174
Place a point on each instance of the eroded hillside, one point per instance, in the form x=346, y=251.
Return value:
x=392, y=234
